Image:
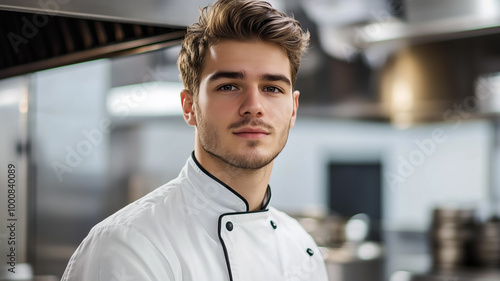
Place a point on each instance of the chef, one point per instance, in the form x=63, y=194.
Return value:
x=214, y=221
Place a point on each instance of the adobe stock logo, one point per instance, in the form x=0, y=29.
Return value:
x=30, y=27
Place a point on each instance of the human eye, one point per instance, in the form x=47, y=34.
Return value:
x=273, y=89
x=226, y=88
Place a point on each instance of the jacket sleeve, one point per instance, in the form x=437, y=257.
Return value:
x=118, y=253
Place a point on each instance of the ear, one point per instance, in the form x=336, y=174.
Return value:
x=188, y=107
x=296, y=95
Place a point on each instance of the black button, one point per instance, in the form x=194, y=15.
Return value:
x=310, y=251
x=229, y=225
x=274, y=225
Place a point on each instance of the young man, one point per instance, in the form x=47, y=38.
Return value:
x=214, y=222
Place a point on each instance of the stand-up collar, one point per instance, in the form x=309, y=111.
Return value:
x=214, y=193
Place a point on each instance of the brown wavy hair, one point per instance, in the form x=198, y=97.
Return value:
x=242, y=20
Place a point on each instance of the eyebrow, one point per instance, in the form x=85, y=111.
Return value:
x=239, y=75
x=276, y=77
x=226, y=74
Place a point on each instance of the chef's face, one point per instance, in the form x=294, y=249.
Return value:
x=245, y=107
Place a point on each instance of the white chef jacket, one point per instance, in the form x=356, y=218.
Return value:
x=196, y=228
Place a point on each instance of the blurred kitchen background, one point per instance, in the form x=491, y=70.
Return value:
x=393, y=165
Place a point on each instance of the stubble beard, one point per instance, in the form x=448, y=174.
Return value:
x=209, y=138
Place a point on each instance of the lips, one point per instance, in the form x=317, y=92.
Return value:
x=251, y=133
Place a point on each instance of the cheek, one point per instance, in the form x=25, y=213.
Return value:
x=217, y=113
x=284, y=111
x=224, y=107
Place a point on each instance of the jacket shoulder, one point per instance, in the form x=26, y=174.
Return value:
x=125, y=243
x=117, y=252
x=138, y=212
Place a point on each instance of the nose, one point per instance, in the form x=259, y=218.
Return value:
x=252, y=103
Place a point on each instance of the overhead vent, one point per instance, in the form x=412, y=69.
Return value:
x=35, y=41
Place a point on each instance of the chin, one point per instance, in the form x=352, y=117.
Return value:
x=254, y=160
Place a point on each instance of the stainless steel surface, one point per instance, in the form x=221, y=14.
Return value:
x=40, y=41
x=494, y=165
x=488, y=96
x=463, y=274
x=13, y=150
x=151, y=12
x=23, y=271
x=374, y=31
x=122, y=48
x=53, y=33
x=355, y=262
x=428, y=20
x=418, y=84
x=73, y=189
x=356, y=270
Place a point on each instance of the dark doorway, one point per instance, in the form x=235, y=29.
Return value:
x=356, y=188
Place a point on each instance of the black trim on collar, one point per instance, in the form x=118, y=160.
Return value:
x=219, y=181
x=267, y=198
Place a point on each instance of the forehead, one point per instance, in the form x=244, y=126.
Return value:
x=249, y=57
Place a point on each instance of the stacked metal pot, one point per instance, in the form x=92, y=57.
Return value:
x=451, y=236
x=486, y=243
x=458, y=240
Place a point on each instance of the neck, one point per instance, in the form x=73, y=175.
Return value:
x=249, y=183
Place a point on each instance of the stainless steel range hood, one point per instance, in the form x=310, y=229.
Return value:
x=425, y=56
x=379, y=27
x=49, y=33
